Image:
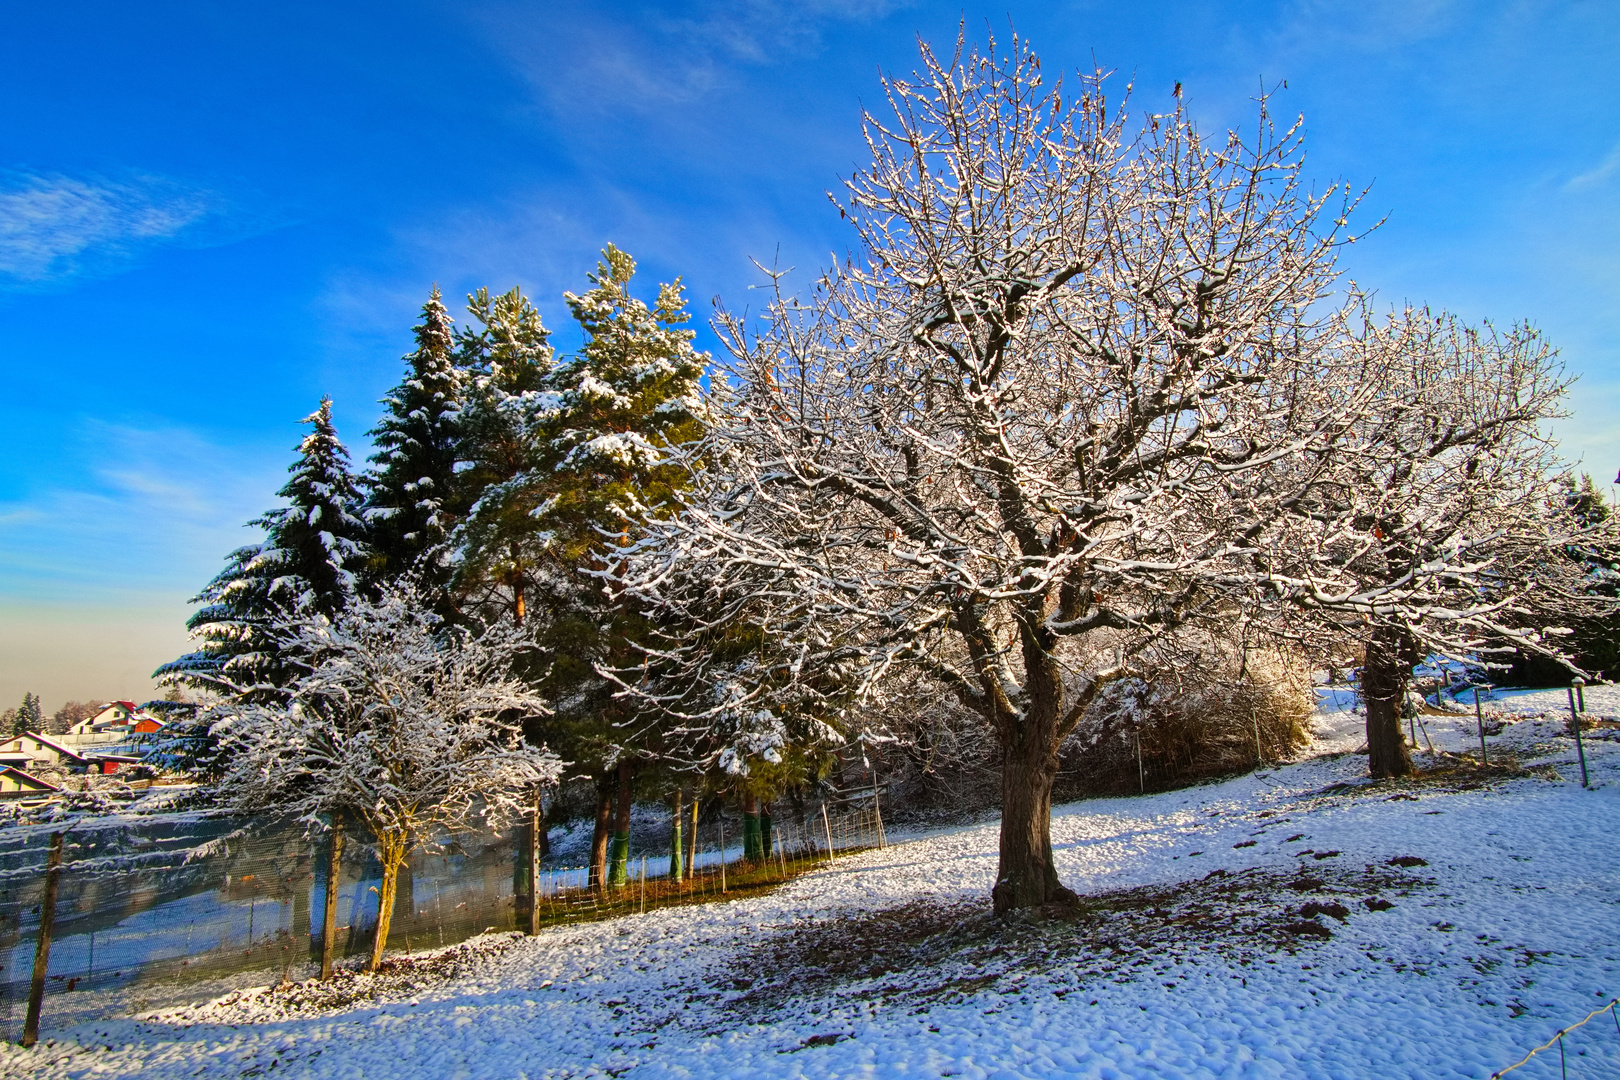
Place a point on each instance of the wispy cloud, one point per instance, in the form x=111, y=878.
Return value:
x=644, y=59
x=55, y=228
x=1599, y=173
x=156, y=511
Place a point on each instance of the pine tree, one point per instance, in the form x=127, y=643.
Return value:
x=414, y=498
x=306, y=564
x=632, y=391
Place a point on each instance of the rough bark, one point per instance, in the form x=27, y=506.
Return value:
x=604, y=826
x=1027, y=877
x=1383, y=684
x=391, y=849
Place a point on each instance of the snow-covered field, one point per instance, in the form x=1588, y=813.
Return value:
x=1193, y=957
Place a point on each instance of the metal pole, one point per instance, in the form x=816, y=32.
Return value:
x=42, y=946
x=1479, y=718
x=1575, y=722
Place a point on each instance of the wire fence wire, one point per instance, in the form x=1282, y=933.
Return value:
x=1558, y=1041
x=173, y=909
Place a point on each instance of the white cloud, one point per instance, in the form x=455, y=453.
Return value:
x=54, y=227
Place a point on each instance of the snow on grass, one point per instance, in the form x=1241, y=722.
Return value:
x=1255, y=927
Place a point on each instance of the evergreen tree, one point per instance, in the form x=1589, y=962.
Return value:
x=413, y=498
x=508, y=361
x=632, y=391
x=26, y=717
x=306, y=564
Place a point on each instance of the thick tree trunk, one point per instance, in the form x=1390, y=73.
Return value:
x=391, y=849
x=1027, y=876
x=677, y=860
x=752, y=851
x=1383, y=684
x=619, y=871
x=604, y=827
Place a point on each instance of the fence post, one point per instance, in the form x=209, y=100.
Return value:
x=535, y=825
x=722, y=856
x=877, y=813
x=1141, y=774
x=42, y=946
x=1575, y=722
x=334, y=855
x=828, y=826
x=1479, y=718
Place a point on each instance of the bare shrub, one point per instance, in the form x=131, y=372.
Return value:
x=1203, y=707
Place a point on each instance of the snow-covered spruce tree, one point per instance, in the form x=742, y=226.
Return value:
x=1425, y=528
x=1031, y=415
x=413, y=496
x=309, y=560
x=25, y=717
x=397, y=721
x=508, y=359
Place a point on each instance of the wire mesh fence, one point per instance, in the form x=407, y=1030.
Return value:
x=170, y=909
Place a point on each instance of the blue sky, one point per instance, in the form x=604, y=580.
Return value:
x=212, y=214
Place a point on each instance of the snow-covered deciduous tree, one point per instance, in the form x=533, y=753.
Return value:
x=1425, y=526
x=1032, y=424
x=398, y=722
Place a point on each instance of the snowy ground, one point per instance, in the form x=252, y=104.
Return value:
x=1192, y=958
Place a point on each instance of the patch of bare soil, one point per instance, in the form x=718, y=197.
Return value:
x=931, y=951
x=397, y=978
x=1444, y=773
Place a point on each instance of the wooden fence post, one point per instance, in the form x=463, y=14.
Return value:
x=42, y=947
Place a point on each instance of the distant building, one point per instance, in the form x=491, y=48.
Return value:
x=35, y=753
x=117, y=722
x=15, y=783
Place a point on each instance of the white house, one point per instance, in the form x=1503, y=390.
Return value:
x=34, y=753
